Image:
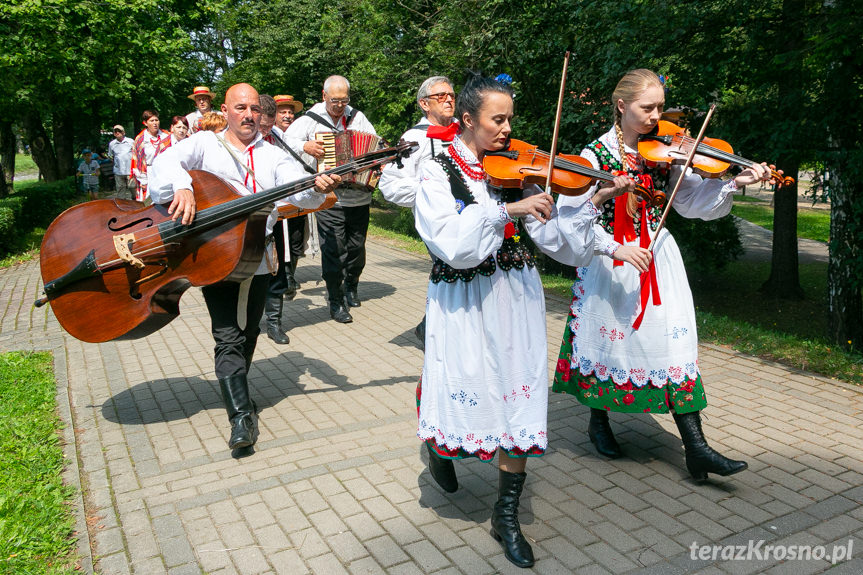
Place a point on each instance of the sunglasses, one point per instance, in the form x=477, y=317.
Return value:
x=442, y=96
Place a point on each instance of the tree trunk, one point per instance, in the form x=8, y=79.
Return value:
x=784, y=280
x=7, y=154
x=4, y=189
x=844, y=300
x=63, y=130
x=40, y=146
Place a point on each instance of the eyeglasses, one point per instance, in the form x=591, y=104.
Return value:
x=442, y=96
x=340, y=101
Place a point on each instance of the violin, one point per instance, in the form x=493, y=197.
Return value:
x=115, y=269
x=669, y=144
x=522, y=164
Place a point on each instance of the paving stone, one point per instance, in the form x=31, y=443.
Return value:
x=338, y=482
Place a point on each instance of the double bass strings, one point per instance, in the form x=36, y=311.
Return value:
x=165, y=232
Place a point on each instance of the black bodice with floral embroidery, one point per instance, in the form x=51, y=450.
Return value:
x=512, y=253
x=608, y=163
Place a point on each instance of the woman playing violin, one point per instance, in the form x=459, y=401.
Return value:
x=630, y=343
x=484, y=386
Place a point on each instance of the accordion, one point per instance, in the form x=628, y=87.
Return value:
x=342, y=147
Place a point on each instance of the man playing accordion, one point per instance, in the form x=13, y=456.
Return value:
x=342, y=228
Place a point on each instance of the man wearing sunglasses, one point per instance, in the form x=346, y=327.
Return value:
x=433, y=132
x=342, y=228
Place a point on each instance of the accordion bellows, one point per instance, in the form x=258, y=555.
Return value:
x=342, y=147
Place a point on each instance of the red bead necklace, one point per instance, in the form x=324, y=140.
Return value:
x=472, y=173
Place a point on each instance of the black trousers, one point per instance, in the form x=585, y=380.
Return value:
x=235, y=345
x=297, y=236
x=296, y=241
x=342, y=232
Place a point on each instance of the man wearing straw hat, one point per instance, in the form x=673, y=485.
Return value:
x=203, y=98
x=286, y=110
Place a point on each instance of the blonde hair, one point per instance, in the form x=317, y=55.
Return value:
x=213, y=121
x=628, y=89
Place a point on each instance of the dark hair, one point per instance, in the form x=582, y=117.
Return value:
x=182, y=119
x=268, y=105
x=470, y=97
x=149, y=114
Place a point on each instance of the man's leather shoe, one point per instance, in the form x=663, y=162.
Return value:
x=352, y=299
x=340, y=313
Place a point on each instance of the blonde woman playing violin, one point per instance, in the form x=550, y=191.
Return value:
x=630, y=343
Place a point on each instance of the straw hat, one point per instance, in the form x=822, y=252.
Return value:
x=201, y=91
x=288, y=101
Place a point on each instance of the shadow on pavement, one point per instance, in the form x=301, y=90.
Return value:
x=172, y=399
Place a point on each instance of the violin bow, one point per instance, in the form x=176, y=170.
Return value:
x=557, y=123
x=686, y=166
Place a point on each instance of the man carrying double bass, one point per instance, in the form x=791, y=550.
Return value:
x=239, y=155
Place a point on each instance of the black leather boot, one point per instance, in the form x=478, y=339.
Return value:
x=273, y=313
x=702, y=459
x=351, y=297
x=600, y=434
x=292, y=285
x=442, y=471
x=242, y=412
x=338, y=311
x=504, y=520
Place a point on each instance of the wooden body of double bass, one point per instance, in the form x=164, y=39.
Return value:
x=127, y=302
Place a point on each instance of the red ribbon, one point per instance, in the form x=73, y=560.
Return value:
x=445, y=133
x=649, y=285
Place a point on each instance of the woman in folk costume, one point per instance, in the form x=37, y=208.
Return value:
x=484, y=386
x=148, y=144
x=621, y=352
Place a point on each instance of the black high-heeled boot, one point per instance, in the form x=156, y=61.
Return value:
x=442, y=471
x=241, y=411
x=504, y=520
x=600, y=434
x=702, y=459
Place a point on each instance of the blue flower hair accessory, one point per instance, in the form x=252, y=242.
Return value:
x=504, y=79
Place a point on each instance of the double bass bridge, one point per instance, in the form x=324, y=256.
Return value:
x=123, y=244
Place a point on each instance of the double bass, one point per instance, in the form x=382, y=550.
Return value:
x=115, y=270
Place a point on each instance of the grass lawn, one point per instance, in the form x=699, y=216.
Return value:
x=811, y=224
x=730, y=311
x=36, y=524
x=24, y=164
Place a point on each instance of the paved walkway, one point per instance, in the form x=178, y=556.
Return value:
x=339, y=484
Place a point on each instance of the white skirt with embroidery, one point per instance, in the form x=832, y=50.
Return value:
x=485, y=376
x=607, y=301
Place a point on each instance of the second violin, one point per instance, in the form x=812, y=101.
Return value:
x=523, y=164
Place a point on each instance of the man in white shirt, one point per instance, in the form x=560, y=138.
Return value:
x=342, y=229
x=433, y=132
x=203, y=98
x=120, y=149
x=235, y=308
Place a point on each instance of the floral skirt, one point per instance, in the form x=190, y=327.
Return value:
x=461, y=453
x=685, y=397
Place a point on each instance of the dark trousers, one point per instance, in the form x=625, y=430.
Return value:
x=297, y=236
x=342, y=232
x=235, y=346
x=279, y=282
x=296, y=241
